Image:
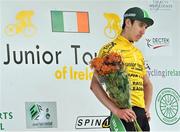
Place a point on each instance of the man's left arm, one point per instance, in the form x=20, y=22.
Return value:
x=148, y=90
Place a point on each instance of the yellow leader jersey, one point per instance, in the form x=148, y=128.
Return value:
x=134, y=62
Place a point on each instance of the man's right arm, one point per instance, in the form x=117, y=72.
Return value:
x=126, y=114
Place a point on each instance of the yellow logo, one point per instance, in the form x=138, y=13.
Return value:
x=112, y=29
x=106, y=123
x=23, y=24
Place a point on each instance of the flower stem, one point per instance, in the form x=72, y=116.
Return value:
x=137, y=127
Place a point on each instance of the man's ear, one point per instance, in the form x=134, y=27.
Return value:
x=128, y=22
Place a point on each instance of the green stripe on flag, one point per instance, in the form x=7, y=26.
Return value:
x=57, y=21
x=116, y=124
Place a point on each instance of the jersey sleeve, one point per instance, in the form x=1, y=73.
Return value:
x=143, y=66
x=106, y=49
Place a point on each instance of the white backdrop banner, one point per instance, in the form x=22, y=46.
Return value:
x=45, y=51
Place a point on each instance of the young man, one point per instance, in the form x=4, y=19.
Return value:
x=136, y=21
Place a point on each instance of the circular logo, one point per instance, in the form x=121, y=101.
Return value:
x=167, y=106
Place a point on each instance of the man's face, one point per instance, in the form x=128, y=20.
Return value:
x=137, y=30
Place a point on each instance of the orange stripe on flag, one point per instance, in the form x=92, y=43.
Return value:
x=83, y=23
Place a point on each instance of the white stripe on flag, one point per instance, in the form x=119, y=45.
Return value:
x=70, y=21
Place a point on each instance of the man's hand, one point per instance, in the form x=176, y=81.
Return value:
x=148, y=114
x=126, y=114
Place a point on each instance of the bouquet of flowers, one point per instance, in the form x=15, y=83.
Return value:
x=110, y=70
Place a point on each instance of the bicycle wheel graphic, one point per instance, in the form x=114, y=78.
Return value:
x=169, y=106
x=110, y=33
x=29, y=31
x=10, y=29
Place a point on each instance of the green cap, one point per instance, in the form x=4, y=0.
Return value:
x=137, y=13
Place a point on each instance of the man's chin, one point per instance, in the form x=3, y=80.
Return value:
x=136, y=40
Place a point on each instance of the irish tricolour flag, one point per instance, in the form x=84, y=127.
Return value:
x=70, y=21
